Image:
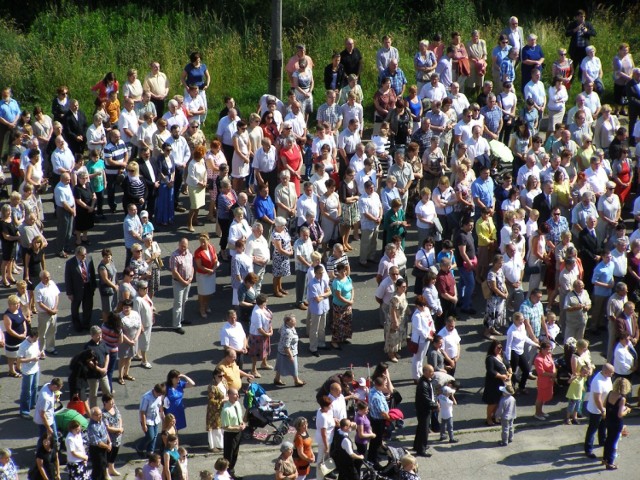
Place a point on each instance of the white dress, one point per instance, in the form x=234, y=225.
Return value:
x=144, y=307
x=239, y=169
x=331, y=203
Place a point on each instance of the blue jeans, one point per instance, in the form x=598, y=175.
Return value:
x=466, y=286
x=148, y=443
x=596, y=424
x=29, y=392
x=111, y=366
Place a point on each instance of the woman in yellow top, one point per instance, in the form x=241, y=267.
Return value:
x=562, y=192
x=487, y=238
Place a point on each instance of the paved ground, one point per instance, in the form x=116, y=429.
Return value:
x=550, y=452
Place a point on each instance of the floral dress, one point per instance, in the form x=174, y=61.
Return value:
x=214, y=406
x=113, y=420
x=496, y=311
x=281, y=264
x=218, y=159
x=393, y=341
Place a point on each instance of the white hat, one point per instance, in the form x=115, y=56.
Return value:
x=144, y=214
x=448, y=390
x=362, y=382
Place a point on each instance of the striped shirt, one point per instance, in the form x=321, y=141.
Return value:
x=116, y=153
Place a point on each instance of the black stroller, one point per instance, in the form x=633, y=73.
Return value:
x=262, y=412
x=390, y=470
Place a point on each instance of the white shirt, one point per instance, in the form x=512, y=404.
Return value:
x=592, y=101
x=516, y=338
x=258, y=247
x=459, y=103
x=95, y=134
x=426, y=211
x=324, y=420
x=128, y=120
x=423, y=326
x=355, y=111
x=536, y=92
x=62, y=159
x=265, y=162
x=600, y=385
x=362, y=177
x=557, y=98
x=372, y=205
x=338, y=406
x=357, y=163
x=46, y=294
x=226, y=129
x=304, y=205
x=446, y=406
x=477, y=147
x=74, y=443
x=463, y=130
x=45, y=404
x=439, y=92
x=622, y=360
x=619, y=260
x=298, y=123
x=451, y=341
x=512, y=268
x=194, y=105
x=597, y=179
x=524, y=172
x=259, y=319
x=177, y=119
x=237, y=231
x=180, y=153
x=28, y=349
x=348, y=140
x=232, y=336
x=63, y=193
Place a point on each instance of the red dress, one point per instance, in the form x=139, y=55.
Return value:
x=293, y=157
x=624, y=175
x=544, y=363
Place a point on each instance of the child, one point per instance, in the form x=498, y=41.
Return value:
x=113, y=108
x=138, y=473
x=574, y=394
x=362, y=392
x=531, y=226
x=206, y=475
x=307, y=156
x=184, y=463
x=506, y=414
x=221, y=466
x=447, y=401
x=552, y=329
x=147, y=226
x=447, y=251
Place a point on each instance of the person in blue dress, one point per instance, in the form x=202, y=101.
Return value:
x=164, y=204
x=196, y=73
x=175, y=385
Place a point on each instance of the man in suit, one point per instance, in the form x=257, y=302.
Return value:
x=544, y=202
x=75, y=128
x=425, y=404
x=80, y=283
x=150, y=175
x=515, y=34
x=591, y=248
x=580, y=32
x=625, y=325
x=633, y=95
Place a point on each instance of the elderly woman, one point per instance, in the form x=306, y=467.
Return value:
x=431, y=294
x=15, y=332
x=424, y=62
x=131, y=328
x=622, y=175
x=477, y=50
x=546, y=373
x=330, y=212
x=134, y=189
x=240, y=163
x=532, y=57
x=563, y=68
x=196, y=182
x=285, y=197
x=558, y=97
x=239, y=228
x=609, y=212
x=287, y=358
x=260, y=333
x=138, y=264
x=217, y=393
x=112, y=418
x=605, y=128
x=591, y=69
x=291, y=161
x=623, y=66
x=143, y=306
x=107, y=283
x=395, y=321
x=303, y=84
x=342, y=307
x=206, y=263
x=350, y=216
x=153, y=256
x=633, y=266
x=282, y=252
x=302, y=442
x=167, y=169
x=351, y=86
x=497, y=375
x=531, y=191
x=422, y=332
x=384, y=100
x=425, y=215
x=227, y=199
x=394, y=222
x=285, y=468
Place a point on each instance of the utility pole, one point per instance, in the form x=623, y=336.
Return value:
x=275, y=52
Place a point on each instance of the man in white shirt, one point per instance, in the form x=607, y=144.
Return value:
x=623, y=358
x=175, y=116
x=348, y=139
x=45, y=408
x=597, y=177
x=459, y=99
x=307, y=202
x=513, y=268
x=579, y=106
x=370, y=208
x=434, y=90
x=46, y=296
x=600, y=386
x=591, y=99
x=180, y=154
x=128, y=125
x=462, y=129
x=619, y=260
x=258, y=250
x=338, y=402
x=451, y=344
x=477, y=145
x=65, y=213
x=296, y=119
x=28, y=357
x=232, y=335
x=194, y=104
x=445, y=67
x=351, y=110
x=535, y=90
x=227, y=126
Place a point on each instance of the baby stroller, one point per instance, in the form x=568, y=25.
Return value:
x=389, y=471
x=263, y=412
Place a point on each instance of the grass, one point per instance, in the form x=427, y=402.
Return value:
x=76, y=47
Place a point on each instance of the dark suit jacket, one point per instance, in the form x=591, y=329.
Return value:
x=146, y=177
x=540, y=204
x=328, y=75
x=425, y=395
x=73, y=128
x=623, y=329
x=573, y=45
x=73, y=277
x=633, y=95
x=590, y=247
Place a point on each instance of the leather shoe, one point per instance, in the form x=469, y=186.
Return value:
x=315, y=354
x=423, y=454
x=180, y=330
x=591, y=455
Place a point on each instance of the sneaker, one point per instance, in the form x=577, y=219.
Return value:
x=542, y=418
x=53, y=352
x=454, y=440
x=502, y=444
x=442, y=439
x=180, y=330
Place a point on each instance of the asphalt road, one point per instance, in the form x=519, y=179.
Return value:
x=195, y=355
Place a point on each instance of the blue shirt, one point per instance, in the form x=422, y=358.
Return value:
x=264, y=207
x=97, y=432
x=507, y=72
x=483, y=189
x=9, y=110
x=603, y=273
x=556, y=229
x=131, y=224
x=195, y=75
x=377, y=404
x=398, y=80
x=492, y=118
x=317, y=288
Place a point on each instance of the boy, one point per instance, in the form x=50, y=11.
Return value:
x=506, y=414
x=447, y=401
x=113, y=108
x=147, y=226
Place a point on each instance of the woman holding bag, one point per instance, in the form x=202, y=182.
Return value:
x=422, y=333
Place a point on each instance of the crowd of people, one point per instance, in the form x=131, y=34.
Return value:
x=551, y=221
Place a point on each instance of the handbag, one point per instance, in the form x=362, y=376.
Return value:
x=438, y=225
x=412, y=347
x=210, y=183
x=486, y=291
x=327, y=466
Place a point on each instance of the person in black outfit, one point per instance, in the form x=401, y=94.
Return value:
x=544, y=202
x=150, y=174
x=75, y=128
x=632, y=90
x=619, y=142
x=580, y=32
x=591, y=249
x=351, y=59
x=80, y=283
x=335, y=68
x=46, y=460
x=425, y=403
x=343, y=454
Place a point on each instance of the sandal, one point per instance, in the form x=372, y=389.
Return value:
x=130, y=378
x=266, y=366
x=121, y=381
x=279, y=383
x=301, y=384
x=146, y=365
x=15, y=375
x=256, y=374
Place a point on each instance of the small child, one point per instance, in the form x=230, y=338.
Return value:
x=138, y=473
x=506, y=414
x=574, y=394
x=307, y=156
x=447, y=252
x=222, y=469
x=362, y=392
x=113, y=108
x=532, y=224
x=147, y=226
x=447, y=401
x=206, y=475
x=184, y=463
x=552, y=329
